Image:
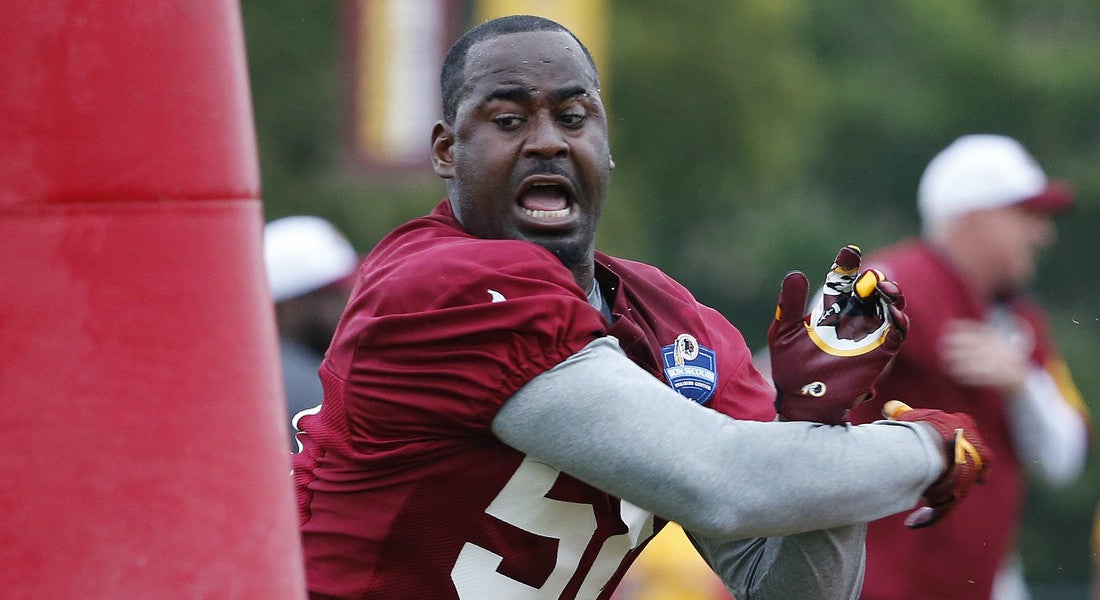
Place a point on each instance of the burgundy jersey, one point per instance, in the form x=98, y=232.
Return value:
x=404, y=492
x=959, y=556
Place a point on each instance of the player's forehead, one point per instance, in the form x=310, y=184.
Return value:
x=539, y=60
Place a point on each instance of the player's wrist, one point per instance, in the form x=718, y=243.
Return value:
x=946, y=450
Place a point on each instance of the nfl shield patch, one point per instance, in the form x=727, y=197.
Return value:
x=691, y=369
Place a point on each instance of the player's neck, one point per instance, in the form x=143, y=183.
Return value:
x=585, y=276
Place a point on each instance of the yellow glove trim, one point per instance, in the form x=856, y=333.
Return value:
x=827, y=349
x=894, y=409
x=963, y=449
x=866, y=284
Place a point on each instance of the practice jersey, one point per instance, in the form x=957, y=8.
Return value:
x=404, y=492
x=958, y=557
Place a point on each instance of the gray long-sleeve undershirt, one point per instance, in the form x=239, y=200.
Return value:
x=603, y=419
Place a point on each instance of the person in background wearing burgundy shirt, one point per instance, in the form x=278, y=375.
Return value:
x=979, y=344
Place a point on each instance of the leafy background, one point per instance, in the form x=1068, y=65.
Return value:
x=753, y=137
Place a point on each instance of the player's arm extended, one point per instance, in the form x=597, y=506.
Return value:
x=604, y=420
x=730, y=483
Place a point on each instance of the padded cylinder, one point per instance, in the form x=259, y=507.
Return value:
x=140, y=396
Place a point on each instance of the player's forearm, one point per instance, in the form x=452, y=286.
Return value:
x=604, y=420
x=819, y=564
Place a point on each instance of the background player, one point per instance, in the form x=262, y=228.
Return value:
x=978, y=344
x=309, y=267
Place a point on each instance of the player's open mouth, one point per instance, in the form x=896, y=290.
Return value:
x=546, y=200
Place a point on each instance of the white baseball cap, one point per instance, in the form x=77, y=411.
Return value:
x=305, y=253
x=983, y=171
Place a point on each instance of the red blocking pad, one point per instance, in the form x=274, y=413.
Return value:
x=141, y=399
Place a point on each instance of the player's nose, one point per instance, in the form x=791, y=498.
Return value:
x=545, y=139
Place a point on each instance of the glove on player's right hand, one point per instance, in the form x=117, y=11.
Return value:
x=827, y=361
x=970, y=459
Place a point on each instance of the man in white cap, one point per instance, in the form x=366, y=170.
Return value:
x=977, y=344
x=310, y=267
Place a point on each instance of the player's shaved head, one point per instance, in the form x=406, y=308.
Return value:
x=451, y=78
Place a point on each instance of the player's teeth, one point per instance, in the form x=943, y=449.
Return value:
x=547, y=214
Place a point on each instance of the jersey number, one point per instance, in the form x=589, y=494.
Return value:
x=523, y=503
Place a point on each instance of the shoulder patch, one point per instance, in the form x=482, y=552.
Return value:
x=691, y=369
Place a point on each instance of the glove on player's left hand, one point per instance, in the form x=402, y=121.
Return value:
x=969, y=459
x=827, y=361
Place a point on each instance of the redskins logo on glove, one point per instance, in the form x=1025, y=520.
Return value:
x=849, y=319
x=827, y=361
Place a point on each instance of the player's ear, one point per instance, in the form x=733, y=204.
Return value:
x=443, y=141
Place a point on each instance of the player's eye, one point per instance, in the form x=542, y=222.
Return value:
x=572, y=120
x=508, y=122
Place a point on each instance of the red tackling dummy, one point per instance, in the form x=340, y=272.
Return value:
x=143, y=419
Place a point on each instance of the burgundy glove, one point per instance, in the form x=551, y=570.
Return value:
x=827, y=361
x=971, y=459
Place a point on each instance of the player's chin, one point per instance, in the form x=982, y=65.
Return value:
x=573, y=252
